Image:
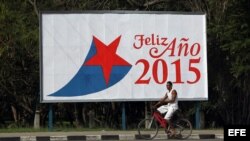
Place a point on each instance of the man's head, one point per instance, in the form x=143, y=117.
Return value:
x=169, y=85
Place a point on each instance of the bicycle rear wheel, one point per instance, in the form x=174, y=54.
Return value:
x=183, y=128
x=148, y=128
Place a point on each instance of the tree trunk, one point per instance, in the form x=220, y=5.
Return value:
x=76, y=116
x=14, y=113
x=91, y=115
x=147, y=114
x=37, y=119
x=84, y=115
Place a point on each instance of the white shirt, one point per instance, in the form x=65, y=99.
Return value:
x=175, y=103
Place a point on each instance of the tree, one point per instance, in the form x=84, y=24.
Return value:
x=19, y=58
x=228, y=60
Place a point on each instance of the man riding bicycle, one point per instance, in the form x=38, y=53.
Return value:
x=169, y=103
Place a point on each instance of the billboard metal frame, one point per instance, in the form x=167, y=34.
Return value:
x=103, y=12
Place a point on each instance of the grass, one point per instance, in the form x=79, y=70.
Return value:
x=12, y=130
x=57, y=127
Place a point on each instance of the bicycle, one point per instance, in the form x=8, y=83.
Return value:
x=179, y=127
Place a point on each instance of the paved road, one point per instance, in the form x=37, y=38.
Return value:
x=177, y=140
x=186, y=140
x=103, y=132
x=197, y=135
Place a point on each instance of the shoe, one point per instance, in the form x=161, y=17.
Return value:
x=171, y=133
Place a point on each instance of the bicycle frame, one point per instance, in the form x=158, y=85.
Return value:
x=172, y=129
x=157, y=116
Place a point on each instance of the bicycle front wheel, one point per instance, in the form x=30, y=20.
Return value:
x=148, y=128
x=183, y=128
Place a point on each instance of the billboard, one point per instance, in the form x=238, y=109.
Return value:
x=122, y=56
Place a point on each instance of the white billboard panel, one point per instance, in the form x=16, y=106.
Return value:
x=122, y=56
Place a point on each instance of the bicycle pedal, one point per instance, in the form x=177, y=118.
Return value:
x=178, y=136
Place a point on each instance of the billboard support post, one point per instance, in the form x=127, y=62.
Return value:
x=197, y=115
x=50, y=119
x=123, y=116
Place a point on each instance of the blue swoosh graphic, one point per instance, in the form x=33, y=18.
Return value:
x=90, y=79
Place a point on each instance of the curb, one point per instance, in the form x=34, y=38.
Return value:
x=102, y=137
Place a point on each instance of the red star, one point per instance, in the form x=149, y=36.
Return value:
x=106, y=57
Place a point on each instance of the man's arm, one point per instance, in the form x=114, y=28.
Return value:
x=174, y=93
x=162, y=100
